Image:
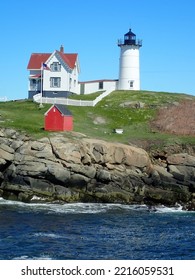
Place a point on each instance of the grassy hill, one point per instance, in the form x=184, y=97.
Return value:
x=130, y=110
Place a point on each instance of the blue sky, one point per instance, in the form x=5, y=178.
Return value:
x=91, y=29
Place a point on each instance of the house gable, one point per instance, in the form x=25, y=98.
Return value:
x=36, y=59
x=68, y=58
x=63, y=62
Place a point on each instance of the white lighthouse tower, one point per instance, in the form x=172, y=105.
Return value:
x=129, y=72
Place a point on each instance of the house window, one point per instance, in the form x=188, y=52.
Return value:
x=55, y=67
x=33, y=84
x=55, y=82
x=131, y=84
x=101, y=85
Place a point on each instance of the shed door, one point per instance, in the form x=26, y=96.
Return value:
x=55, y=120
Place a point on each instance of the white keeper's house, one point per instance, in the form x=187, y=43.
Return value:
x=57, y=74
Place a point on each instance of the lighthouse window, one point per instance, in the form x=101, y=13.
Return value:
x=131, y=84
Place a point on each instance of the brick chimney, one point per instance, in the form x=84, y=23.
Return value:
x=62, y=49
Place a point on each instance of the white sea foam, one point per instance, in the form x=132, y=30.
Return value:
x=4, y=201
x=85, y=208
x=48, y=235
x=42, y=257
x=21, y=258
x=164, y=209
x=35, y=197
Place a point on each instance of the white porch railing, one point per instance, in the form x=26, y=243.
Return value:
x=67, y=101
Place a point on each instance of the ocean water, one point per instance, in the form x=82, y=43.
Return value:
x=94, y=231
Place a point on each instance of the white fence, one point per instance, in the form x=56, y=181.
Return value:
x=101, y=96
x=67, y=101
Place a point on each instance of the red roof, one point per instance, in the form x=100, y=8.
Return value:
x=69, y=58
x=37, y=59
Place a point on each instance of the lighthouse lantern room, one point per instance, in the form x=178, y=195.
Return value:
x=129, y=68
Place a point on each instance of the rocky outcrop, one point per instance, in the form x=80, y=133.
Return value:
x=91, y=170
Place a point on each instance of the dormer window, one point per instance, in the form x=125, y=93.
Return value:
x=55, y=67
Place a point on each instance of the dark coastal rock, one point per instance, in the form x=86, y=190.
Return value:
x=104, y=175
x=57, y=174
x=163, y=173
x=182, y=166
x=176, y=173
x=91, y=170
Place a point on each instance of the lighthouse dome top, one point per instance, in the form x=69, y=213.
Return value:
x=130, y=39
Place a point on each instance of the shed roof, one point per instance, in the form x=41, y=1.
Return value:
x=62, y=109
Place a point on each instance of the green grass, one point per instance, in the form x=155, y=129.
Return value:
x=90, y=97
x=135, y=122
x=24, y=116
x=27, y=116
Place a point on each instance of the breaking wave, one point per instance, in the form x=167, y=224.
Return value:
x=85, y=208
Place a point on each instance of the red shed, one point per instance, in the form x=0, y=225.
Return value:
x=58, y=118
